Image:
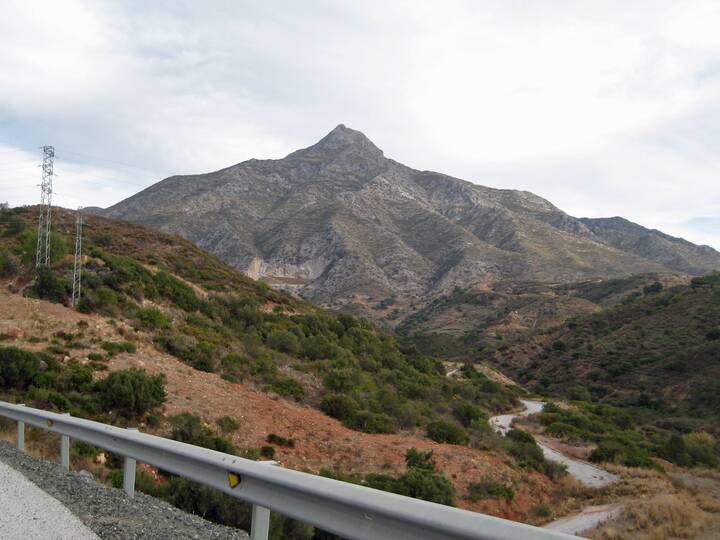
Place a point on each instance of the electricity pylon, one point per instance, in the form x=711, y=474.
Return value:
x=42, y=255
x=77, y=269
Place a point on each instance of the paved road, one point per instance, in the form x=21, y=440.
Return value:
x=28, y=512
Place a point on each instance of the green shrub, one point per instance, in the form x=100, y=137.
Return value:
x=9, y=264
x=131, y=392
x=227, y=424
x=283, y=341
x=49, y=286
x=287, y=386
x=114, y=348
x=339, y=406
x=370, y=422
x=190, y=429
x=524, y=449
x=207, y=502
x=95, y=357
x=267, y=452
x=446, y=432
x=426, y=485
x=84, y=449
x=14, y=224
x=152, y=318
x=18, y=368
x=703, y=449
x=467, y=413
x=341, y=380
x=280, y=441
x=489, y=489
x=178, y=292
x=419, y=460
x=285, y=528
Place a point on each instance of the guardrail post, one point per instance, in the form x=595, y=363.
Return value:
x=21, y=433
x=65, y=450
x=260, y=523
x=260, y=526
x=129, y=473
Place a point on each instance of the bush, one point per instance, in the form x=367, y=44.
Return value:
x=370, y=422
x=489, y=489
x=525, y=450
x=190, y=429
x=227, y=424
x=131, y=392
x=339, y=406
x=285, y=528
x=703, y=449
x=467, y=413
x=9, y=265
x=446, y=432
x=178, y=292
x=152, y=318
x=543, y=510
x=18, y=368
x=283, y=341
x=287, y=386
x=419, y=460
x=426, y=485
x=114, y=348
x=280, y=441
x=267, y=452
x=49, y=286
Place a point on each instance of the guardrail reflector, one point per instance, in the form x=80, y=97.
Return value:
x=233, y=480
x=50, y=423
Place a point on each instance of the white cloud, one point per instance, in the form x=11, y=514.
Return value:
x=603, y=107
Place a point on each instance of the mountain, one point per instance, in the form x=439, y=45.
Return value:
x=344, y=225
x=673, y=253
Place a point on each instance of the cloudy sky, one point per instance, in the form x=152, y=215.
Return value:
x=605, y=108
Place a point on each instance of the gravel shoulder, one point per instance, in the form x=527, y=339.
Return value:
x=108, y=512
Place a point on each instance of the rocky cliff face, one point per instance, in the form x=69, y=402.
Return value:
x=343, y=224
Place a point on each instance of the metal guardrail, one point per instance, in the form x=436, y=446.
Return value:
x=348, y=510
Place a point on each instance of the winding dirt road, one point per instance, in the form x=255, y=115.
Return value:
x=590, y=475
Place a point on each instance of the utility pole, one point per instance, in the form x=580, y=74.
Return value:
x=77, y=270
x=42, y=255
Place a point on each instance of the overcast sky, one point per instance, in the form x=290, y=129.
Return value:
x=605, y=108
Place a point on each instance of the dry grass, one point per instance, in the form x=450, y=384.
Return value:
x=664, y=507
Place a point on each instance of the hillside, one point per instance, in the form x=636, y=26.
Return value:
x=344, y=225
x=474, y=320
x=325, y=393
x=658, y=349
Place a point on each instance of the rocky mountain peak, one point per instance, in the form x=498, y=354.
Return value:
x=341, y=141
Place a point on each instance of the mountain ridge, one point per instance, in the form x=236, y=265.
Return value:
x=344, y=225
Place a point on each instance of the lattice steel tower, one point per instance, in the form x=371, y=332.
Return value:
x=42, y=255
x=77, y=269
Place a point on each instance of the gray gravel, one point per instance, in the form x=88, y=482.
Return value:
x=108, y=512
